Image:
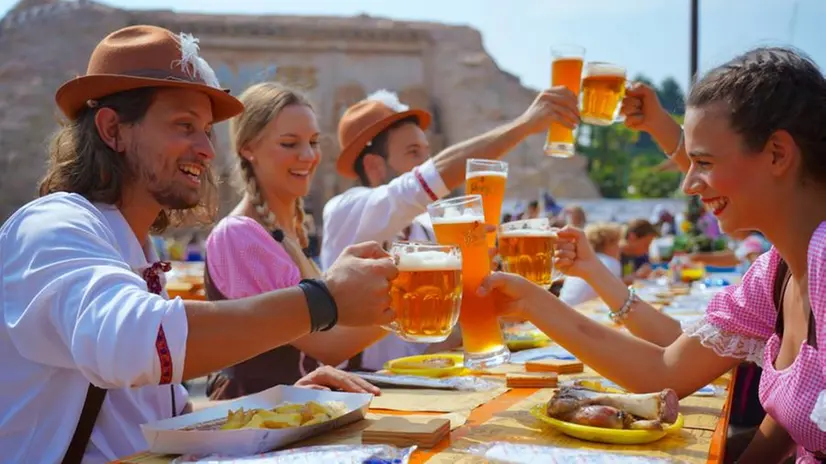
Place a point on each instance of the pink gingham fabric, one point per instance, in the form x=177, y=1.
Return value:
x=740, y=322
x=244, y=260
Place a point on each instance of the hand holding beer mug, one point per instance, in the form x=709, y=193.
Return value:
x=487, y=178
x=566, y=70
x=460, y=221
x=603, y=88
x=427, y=293
x=527, y=248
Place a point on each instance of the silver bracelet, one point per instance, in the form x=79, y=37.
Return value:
x=679, y=144
x=618, y=316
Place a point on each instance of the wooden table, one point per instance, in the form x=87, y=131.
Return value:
x=477, y=418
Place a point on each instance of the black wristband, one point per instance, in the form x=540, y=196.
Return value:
x=320, y=302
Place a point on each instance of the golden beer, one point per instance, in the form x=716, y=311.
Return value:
x=460, y=221
x=566, y=70
x=427, y=293
x=603, y=88
x=527, y=248
x=487, y=179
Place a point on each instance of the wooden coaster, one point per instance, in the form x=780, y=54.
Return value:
x=399, y=431
x=560, y=366
x=532, y=380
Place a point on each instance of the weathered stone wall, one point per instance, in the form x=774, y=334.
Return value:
x=39, y=50
x=338, y=61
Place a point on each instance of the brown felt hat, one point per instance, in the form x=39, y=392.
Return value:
x=362, y=122
x=145, y=56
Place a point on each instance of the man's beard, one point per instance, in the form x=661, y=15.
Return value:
x=169, y=194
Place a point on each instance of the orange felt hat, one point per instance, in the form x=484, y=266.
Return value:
x=145, y=56
x=362, y=122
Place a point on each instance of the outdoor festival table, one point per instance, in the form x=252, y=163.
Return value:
x=506, y=418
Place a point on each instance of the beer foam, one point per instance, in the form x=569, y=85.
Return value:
x=527, y=233
x=487, y=173
x=603, y=69
x=429, y=261
x=453, y=215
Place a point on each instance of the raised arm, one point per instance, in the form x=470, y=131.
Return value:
x=243, y=260
x=358, y=283
x=70, y=301
x=574, y=256
x=643, y=111
x=554, y=105
x=738, y=321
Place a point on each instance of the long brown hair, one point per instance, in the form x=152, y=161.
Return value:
x=262, y=103
x=81, y=162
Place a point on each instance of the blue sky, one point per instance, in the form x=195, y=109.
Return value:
x=647, y=36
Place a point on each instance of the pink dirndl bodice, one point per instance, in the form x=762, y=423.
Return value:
x=740, y=322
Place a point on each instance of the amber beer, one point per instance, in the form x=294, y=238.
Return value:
x=527, y=248
x=603, y=87
x=566, y=69
x=487, y=179
x=460, y=221
x=427, y=293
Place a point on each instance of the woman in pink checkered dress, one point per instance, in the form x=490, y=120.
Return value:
x=754, y=150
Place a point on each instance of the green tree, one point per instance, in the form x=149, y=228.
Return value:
x=622, y=162
x=671, y=96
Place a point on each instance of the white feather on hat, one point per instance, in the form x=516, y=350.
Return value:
x=390, y=99
x=192, y=63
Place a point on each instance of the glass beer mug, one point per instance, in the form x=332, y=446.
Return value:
x=603, y=88
x=427, y=293
x=460, y=221
x=527, y=248
x=488, y=178
x=566, y=69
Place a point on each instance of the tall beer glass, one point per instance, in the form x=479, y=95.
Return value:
x=461, y=221
x=527, y=248
x=427, y=293
x=566, y=69
x=603, y=87
x=487, y=178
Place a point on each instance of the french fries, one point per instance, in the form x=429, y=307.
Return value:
x=283, y=416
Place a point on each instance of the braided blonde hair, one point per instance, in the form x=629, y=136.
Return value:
x=262, y=103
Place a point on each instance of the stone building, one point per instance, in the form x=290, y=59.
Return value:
x=336, y=60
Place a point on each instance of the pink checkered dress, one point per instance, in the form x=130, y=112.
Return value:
x=740, y=322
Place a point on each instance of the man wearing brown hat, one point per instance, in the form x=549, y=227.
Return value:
x=384, y=146
x=91, y=346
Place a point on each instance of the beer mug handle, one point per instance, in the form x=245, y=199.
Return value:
x=620, y=118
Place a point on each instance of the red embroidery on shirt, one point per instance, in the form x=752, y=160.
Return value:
x=165, y=357
x=153, y=282
x=426, y=187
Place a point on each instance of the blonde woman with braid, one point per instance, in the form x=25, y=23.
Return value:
x=259, y=246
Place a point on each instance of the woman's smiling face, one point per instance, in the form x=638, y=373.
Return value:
x=732, y=181
x=286, y=154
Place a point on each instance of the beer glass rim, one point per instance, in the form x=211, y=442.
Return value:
x=456, y=201
x=489, y=165
x=425, y=246
x=564, y=50
x=542, y=223
x=621, y=71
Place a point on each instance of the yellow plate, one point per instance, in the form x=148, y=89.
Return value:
x=396, y=366
x=518, y=345
x=603, y=435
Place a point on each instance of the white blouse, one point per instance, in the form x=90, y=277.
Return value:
x=76, y=310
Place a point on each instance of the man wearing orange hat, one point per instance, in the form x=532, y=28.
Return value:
x=384, y=146
x=91, y=346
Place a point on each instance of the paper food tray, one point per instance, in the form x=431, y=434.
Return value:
x=178, y=436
